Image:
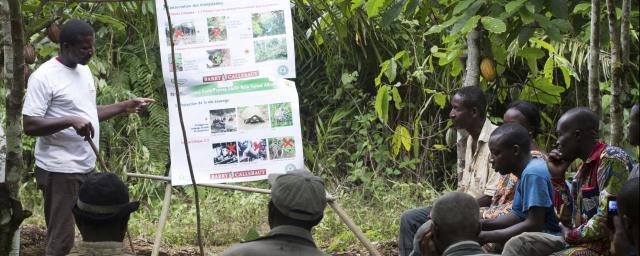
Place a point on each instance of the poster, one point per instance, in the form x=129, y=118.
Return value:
x=227, y=40
x=241, y=116
x=237, y=133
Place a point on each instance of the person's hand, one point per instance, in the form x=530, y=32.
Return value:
x=564, y=229
x=427, y=245
x=82, y=126
x=138, y=105
x=556, y=164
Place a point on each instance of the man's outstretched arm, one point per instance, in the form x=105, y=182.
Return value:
x=136, y=105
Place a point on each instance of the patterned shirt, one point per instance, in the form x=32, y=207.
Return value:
x=599, y=177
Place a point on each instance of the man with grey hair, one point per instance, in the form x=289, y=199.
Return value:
x=453, y=228
x=298, y=199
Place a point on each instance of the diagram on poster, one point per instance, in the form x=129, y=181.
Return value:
x=227, y=40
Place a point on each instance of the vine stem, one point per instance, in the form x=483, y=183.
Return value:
x=184, y=132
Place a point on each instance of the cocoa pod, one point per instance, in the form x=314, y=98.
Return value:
x=488, y=69
x=53, y=32
x=29, y=54
x=451, y=137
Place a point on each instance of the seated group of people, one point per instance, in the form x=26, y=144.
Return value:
x=512, y=198
x=525, y=205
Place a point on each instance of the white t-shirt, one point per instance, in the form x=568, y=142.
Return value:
x=55, y=90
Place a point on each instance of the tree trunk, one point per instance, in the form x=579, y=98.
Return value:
x=625, y=34
x=11, y=212
x=595, y=103
x=472, y=70
x=471, y=78
x=616, y=114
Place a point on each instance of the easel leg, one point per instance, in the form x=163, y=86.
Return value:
x=355, y=229
x=163, y=219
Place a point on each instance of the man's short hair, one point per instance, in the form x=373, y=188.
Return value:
x=73, y=30
x=530, y=112
x=581, y=118
x=457, y=214
x=628, y=198
x=512, y=134
x=473, y=97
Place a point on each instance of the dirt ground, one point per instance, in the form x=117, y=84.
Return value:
x=32, y=241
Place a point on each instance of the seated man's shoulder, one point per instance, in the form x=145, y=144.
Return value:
x=616, y=153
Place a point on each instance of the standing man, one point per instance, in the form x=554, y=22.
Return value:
x=468, y=112
x=60, y=108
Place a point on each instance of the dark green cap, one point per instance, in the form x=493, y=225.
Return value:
x=298, y=194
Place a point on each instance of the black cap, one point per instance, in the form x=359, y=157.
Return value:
x=103, y=196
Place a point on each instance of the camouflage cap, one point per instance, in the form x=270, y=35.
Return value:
x=298, y=194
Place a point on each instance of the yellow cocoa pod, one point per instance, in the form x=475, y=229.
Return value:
x=488, y=69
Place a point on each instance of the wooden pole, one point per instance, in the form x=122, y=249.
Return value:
x=352, y=226
x=331, y=200
x=163, y=220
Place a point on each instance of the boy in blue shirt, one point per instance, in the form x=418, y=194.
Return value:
x=532, y=209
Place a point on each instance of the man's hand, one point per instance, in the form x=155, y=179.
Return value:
x=427, y=246
x=82, y=126
x=557, y=165
x=137, y=105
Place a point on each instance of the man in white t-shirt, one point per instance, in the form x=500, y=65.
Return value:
x=60, y=108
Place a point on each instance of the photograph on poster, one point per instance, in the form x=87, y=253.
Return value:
x=218, y=58
x=281, y=114
x=217, y=28
x=284, y=147
x=183, y=33
x=270, y=49
x=179, y=65
x=268, y=23
x=253, y=117
x=225, y=153
x=223, y=120
x=252, y=150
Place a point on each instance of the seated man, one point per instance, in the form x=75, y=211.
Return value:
x=532, y=208
x=453, y=228
x=102, y=213
x=477, y=179
x=603, y=170
x=627, y=226
x=297, y=204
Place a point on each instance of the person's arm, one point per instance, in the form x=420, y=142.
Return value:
x=533, y=223
x=136, y=105
x=613, y=172
x=557, y=166
x=484, y=201
x=502, y=221
x=40, y=126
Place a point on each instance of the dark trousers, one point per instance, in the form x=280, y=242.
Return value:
x=410, y=221
x=60, y=192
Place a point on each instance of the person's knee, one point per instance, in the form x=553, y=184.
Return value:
x=408, y=216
